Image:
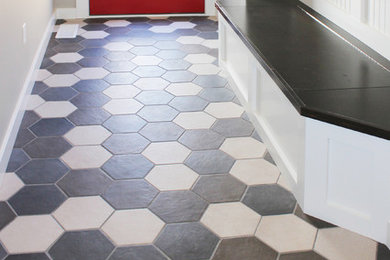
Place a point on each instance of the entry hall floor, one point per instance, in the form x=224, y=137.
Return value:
x=133, y=146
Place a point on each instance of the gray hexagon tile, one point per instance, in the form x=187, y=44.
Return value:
x=47, y=147
x=130, y=166
x=158, y=113
x=201, y=139
x=210, y=162
x=137, y=253
x=164, y=131
x=42, y=171
x=126, y=143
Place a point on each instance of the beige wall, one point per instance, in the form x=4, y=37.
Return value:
x=16, y=58
x=65, y=3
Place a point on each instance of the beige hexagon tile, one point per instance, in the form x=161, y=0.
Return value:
x=341, y=244
x=92, y=73
x=84, y=157
x=53, y=109
x=30, y=234
x=133, y=227
x=200, y=58
x=162, y=29
x=172, y=177
x=10, y=184
x=212, y=44
x=190, y=40
x=66, y=57
x=146, y=60
x=166, y=152
x=243, y=147
x=286, y=233
x=284, y=182
x=118, y=46
x=117, y=23
x=122, y=106
x=224, y=110
x=255, y=171
x=183, y=25
x=61, y=80
x=42, y=75
x=95, y=35
x=231, y=219
x=151, y=83
x=183, y=89
x=194, y=120
x=34, y=101
x=83, y=213
x=87, y=135
x=121, y=91
x=204, y=69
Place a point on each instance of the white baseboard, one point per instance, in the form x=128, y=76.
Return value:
x=17, y=115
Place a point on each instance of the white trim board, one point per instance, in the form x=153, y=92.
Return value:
x=17, y=115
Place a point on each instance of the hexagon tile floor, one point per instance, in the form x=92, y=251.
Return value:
x=134, y=147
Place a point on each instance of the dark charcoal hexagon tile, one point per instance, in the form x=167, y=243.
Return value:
x=42, y=171
x=141, y=41
x=179, y=76
x=120, y=66
x=214, y=52
x=190, y=241
x=37, y=199
x=156, y=22
x=49, y=53
x=206, y=27
x=91, y=99
x=119, y=55
x=154, y=97
x=92, y=62
x=29, y=118
x=34, y=256
x=219, y=188
x=91, y=85
x=158, y=113
x=201, y=139
x=233, y=127
x=117, y=30
x=24, y=137
x=269, y=158
x=167, y=45
x=210, y=162
x=186, y=32
x=95, y=20
x=130, y=194
x=64, y=68
x=137, y=20
x=210, y=81
x=126, y=143
x=51, y=127
x=201, y=20
x=87, y=182
x=144, y=50
x=131, y=166
x=318, y=223
x=248, y=248
x=124, y=124
x=93, y=42
x=17, y=159
x=308, y=255
x=149, y=71
x=95, y=27
x=89, y=116
x=47, y=147
x=164, y=131
x=58, y=94
x=217, y=94
x=171, y=54
x=3, y=253
x=194, y=48
x=139, y=26
x=137, y=253
x=178, y=206
x=175, y=64
x=121, y=78
x=86, y=245
x=6, y=215
x=68, y=47
x=269, y=199
x=383, y=252
x=188, y=103
x=208, y=35
x=38, y=88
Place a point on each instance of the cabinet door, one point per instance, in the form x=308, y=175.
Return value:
x=113, y=7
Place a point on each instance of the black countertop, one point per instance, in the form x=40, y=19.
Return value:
x=326, y=73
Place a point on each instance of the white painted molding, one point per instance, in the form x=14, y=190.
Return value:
x=369, y=26
x=17, y=115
